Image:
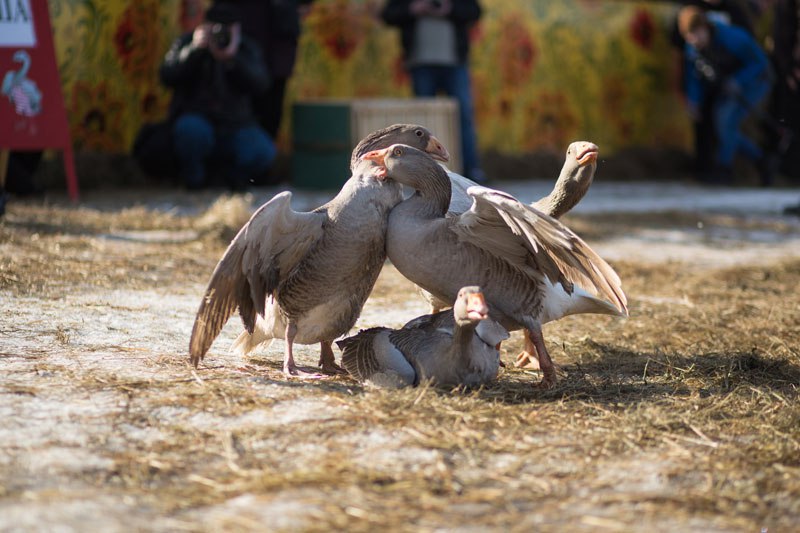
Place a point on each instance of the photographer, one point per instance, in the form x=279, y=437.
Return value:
x=726, y=66
x=215, y=72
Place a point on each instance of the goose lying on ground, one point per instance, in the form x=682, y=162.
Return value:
x=532, y=268
x=464, y=352
x=304, y=276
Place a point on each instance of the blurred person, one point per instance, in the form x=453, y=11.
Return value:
x=215, y=72
x=275, y=26
x=20, y=168
x=786, y=100
x=730, y=12
x=786, y=96
x=434, y=35
x=725, y=64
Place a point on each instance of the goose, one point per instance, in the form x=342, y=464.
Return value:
x=453, y=348
x=531, y=267
x=304, y=276
x=574, y=180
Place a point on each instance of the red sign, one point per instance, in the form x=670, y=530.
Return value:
x=32, y=114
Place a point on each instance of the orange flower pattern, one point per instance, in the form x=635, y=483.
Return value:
x=544, y=73
x=137, y=41
x=96, y=118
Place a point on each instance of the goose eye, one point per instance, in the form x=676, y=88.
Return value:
x=418, y=133
x=398, y=151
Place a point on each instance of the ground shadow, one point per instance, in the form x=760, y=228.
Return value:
x=617, y=375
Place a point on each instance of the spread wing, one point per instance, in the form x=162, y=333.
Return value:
x=274, y=240
x=530, y=239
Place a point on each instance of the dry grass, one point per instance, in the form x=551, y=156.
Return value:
x=684, y=417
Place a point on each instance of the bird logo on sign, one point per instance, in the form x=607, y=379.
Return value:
x=22, y=92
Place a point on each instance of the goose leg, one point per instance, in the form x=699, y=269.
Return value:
x=290, y=369
x=528, y=358
x=327, y=361
x=548, y=368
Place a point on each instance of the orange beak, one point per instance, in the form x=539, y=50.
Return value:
x=437, y=150
x=587, y=153
x=378, y=156
x=476, y=307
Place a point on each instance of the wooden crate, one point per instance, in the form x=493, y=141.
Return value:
x=324, y=132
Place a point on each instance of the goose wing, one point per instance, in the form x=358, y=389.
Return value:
x=460, y=200
x=530, y=239
x=274, y=240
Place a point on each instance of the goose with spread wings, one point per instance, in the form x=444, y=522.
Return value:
x=304, y=276
x=531, y=267
x=574, y=180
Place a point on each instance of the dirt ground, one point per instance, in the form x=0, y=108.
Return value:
x=684, y=417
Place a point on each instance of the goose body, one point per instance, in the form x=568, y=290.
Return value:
x=532, y=269
x=574, y=180
x=304, y=276
x=451, y=348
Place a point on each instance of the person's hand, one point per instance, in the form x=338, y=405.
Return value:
x=201, y=35
x=793, y=79
x=731, y=87
x=431, y=8
x=420, y=8
x=693, y=111
x=224, y=54
x=441, y=8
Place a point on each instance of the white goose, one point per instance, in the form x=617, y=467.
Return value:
x=532, y=268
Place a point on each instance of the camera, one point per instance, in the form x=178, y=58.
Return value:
x=221, y=36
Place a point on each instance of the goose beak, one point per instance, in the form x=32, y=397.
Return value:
x=476, y=307
x=587, y=153
x=437, y=150
x=379, y=157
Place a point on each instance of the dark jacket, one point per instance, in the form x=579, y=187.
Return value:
x=275, y=26
x=223, y=92
x=464, y=14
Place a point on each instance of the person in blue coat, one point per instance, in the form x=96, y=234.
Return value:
x=724, y=63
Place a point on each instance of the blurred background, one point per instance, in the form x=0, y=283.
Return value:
x=543, y=74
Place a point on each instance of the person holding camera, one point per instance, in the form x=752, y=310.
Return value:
x=726, y=65
x=435, y=38
x=216, y=72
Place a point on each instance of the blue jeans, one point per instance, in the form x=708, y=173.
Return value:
x=427, y=80
x=249, y=150
x=729, y=112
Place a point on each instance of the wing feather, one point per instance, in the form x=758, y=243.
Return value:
x=534, y=241
x=274, y=240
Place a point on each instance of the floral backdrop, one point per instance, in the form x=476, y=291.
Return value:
x=544, y=73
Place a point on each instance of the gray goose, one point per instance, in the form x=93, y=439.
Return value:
x=304, y=276
x=574, y=180
x=463, y=352
x=532, y=268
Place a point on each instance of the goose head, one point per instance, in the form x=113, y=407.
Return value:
x=580, y=162
x=409, y=166
x=470, y=306
x=412, y=135
x=574, y=180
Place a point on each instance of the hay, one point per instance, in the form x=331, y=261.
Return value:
x=683, y=417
